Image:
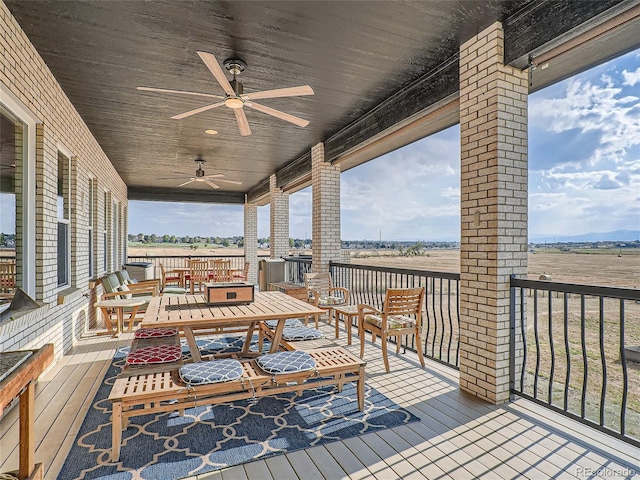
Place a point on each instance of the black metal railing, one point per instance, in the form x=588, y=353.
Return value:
x=295, y=268
x=572, y=348
x=173, y=261
x=441, y=316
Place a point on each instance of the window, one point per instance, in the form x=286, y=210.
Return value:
x=63, y=214
x=115, y=235
x=105, y=235
x=90, y=228
x=17, y=188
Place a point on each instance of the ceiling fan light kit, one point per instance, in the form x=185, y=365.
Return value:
x=201, y=177
x=235, y=98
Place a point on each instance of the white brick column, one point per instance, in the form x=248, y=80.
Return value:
x=279, y=211
x=325, y=181
x=493, y=131
x=251, y=240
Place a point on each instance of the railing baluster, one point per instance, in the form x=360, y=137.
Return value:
x=523, y=332
x=553, y=353
x=441, y=319
x=450, y=321
x=585, y=364
x=567, y=351
x=604, y=363
x=625, y=378
x=537, y=337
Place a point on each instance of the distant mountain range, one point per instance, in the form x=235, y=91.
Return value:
x=615, y=236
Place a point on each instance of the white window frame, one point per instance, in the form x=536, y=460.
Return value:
x=90, y=228
x=19, y=110
x=67, y=201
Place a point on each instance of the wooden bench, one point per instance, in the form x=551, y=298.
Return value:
x=163, y=391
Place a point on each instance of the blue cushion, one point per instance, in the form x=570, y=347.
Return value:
x=286, y=362
x=293, y=322
x=301, y=333
x=213, y=371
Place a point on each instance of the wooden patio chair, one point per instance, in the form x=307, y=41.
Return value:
x=401, y=314
x=220, y=270
x=198, y=274
x=240, y=275
x=322, y=293
x=7, y=276
x=171, y=281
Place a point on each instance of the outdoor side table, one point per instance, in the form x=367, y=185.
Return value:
x=119, y=304
x=347, y=312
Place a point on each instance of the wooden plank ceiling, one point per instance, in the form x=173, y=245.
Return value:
x=371, y=65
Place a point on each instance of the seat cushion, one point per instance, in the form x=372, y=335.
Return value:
x=155, y=354
x=286, y=362
x=156, y=332
x=126, y=291
x=174, y=291
x=212, y=371
x=328, y=300
x=292, y=334
x=393, y=321
x=292, y=323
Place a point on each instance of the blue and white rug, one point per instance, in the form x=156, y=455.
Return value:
x=167, y=446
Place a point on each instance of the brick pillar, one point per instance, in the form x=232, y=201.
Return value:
x=493, y=201
x=325, y=181
x=279, y=211
x=251, y=240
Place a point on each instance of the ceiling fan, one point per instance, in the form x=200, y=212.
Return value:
x=201, y=177
x=235, y=98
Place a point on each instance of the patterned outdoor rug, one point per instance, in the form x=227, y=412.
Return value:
x=167, y=446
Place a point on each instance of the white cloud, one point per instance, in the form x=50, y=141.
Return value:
x=631, y=78
x=593, y=110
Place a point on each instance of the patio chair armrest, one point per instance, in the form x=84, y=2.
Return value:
x=153, y=290
x=345, y=292
x=313, y=296
x=146, y=286
x=364, y=309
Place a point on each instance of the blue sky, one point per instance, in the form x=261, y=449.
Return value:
x=584, y=174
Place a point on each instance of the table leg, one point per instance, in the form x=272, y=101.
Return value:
x=247, y=340
x=193, y=345
x=134, y=312
x=277, y=335
x=120, y=312
x=107, y=320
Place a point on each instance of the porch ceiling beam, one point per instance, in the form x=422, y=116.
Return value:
x=161, y=194
x=260, y=193
x=525, y=32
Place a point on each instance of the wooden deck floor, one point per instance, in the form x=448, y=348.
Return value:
x=457, y=437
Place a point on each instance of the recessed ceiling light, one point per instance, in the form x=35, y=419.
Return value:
x=211, y=132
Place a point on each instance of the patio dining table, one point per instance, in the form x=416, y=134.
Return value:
x=191, y=312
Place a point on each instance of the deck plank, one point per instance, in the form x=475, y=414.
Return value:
x=457, y=436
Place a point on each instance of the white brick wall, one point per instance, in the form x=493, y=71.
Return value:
x=251, y=240
x=279, y=212
x=325, y=181
x=493, y=131
x=24, y=73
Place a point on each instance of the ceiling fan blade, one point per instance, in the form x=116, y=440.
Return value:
x=235, y=182
x=214, y=67
x=180, y=92
x=243, y=124
x=186, y=183
x=211, y=184
x=277, y=113
x=280, y=92
x=180, y=116
x=215, y=175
